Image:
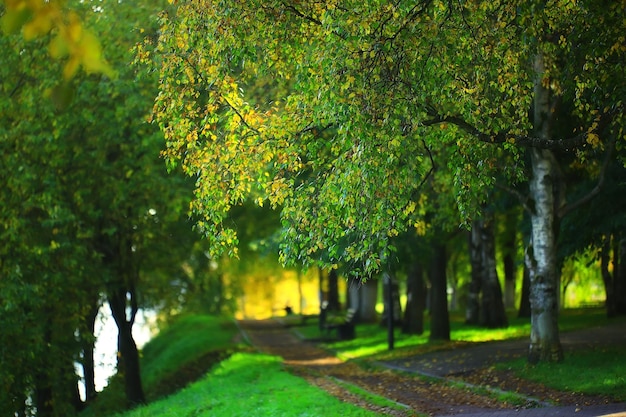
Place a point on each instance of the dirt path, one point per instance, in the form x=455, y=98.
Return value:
x=324, y=370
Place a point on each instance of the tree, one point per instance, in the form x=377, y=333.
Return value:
x=380, y=80
x=43, y=262
x=70, y=38
x=88, y=214
x=485, y=303
x=602, y=233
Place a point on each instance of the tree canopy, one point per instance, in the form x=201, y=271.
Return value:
x=360, y=95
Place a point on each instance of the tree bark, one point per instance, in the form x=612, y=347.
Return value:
x=440, y=320
x=415, y=301
x=394, y=308
x=545, y=344
x=88, y=364
x=333, y=291
x=363, y=297
x=472, y=309
x=619, y=267
x=615, y=282
x=493, y=313
x=524, y=303
x=128, y=358
x=509, y=251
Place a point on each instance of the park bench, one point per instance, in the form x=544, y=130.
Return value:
x=345, y=326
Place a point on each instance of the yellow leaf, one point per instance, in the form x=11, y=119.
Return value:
x=58, y=48
x=410, y=208
x=593, y=139
x=71, y=67
x=37, y=27
x=14, y=19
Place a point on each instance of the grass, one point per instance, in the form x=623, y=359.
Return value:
x=371, y=341
x=244, y=384
x=254, y=384
x=249, y=384
x=600, y=371
x=372, y=398
x=184, y=341
x=177, y=346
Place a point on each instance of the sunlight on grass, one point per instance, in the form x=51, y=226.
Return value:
x=249, y=384
x=185, y=340
x=371, y=341
x=477, y=334
x=596, y=371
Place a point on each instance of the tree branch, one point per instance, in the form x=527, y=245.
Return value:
x=568, y=208
x=523, y=199
x=564, y=144
x=298, y=13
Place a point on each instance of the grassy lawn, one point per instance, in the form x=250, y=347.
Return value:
x=371, y=341
x=249, y=385
x=599, y=371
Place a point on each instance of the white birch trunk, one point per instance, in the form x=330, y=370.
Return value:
x=545, y=344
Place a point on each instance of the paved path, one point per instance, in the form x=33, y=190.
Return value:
x=609, y=410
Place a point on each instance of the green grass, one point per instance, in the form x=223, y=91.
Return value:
x=249, y=385
x=180, y=344
x=184, y=341
x=371, y=341
x=599, y=371
x=245, y=384
x=372, y=398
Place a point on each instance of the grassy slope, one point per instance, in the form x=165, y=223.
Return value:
x=244, y=384
x=249, y=385
x=187, y=340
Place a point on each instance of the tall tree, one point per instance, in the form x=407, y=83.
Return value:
x=493, y=313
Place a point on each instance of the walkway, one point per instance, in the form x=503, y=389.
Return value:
x=412, y=393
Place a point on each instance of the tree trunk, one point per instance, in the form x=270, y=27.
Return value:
x=440, y=321
x=493, y=313
x=394, y=308
x=333, y=291
x=524, y=302
x=545, y=344
x=88, y=363
x=614, y=283
x=128, y=357
x=415, y=301
x=363, y=297
x=619, y=267
x=472, y=309
x=509, y=252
